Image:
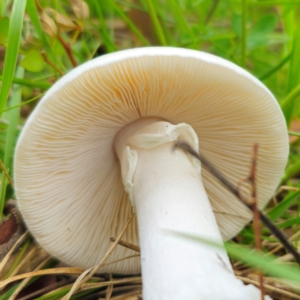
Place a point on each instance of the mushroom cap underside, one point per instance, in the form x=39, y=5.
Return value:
x=67, y=176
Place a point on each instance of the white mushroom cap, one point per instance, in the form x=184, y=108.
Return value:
x=67, y=175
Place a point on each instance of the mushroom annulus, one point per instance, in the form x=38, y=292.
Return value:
x=99, y=144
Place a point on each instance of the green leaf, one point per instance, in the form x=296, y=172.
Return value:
x=264, y=26
x=12, y=50
x=4, y=27
x=258, y=34
x=33, y=61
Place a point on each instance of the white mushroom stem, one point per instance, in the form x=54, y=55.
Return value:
x=167, y=192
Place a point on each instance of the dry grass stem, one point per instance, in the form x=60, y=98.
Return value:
x=109, y=289
x=54, y=271
x=86, y=275
x=35, y=252
x=11, y=251
x=285, y=258
x=286, y=188
x=121, y=291
x=270, y=289
x=87, y=286
x=121, y=259
x=126, y=244
x=292, y=238
x=133, y=295
x=26, y=280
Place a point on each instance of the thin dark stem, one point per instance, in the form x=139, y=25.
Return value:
x=68, y=49
x=216, y=173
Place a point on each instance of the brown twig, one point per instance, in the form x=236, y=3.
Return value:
x=68, y=50
x=256, y=217
x=268, y=223
x=126, y=244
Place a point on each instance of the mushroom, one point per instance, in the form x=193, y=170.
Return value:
x=98, y=145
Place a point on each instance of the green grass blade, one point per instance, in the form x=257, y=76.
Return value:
x=288, y=223
x=249, y=256
x=12, y=50
x=264, y=263
x=2, y=194
x=18, y=258
x=288, y=102
x=281, y=207
x=30, y=83
x=31, y=9
x=130, y=24
x=211, y=11
x=157, y=27
x=60, y=293
x=11, y=137
x=25, y=102
x=291, y=170
x=294, y=133
x=182, y=23
x=8, y=293
x=244, y=33
x=294, y=76
x=276, y=68
x=110, y=46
